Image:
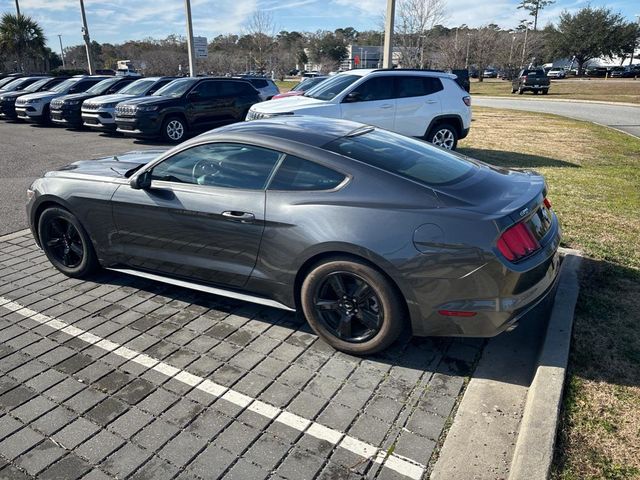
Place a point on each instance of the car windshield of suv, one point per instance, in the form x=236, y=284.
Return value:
x=308, y=84
x=65, y=86
x=7, y=81
x=177, y=88
x=101, y=87
x=17, y=84
x=331, y=87
x=403, y=156
x=139, y=87
x=35, y=86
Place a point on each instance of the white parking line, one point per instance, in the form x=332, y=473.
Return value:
x=399, y=464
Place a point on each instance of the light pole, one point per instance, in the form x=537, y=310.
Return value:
x=466, y=62
x=513, y=40
x=87, y=39
x=62, y=51
x=388, y=35
x=190, y=47
x=17, y=8
x=422, y=50
x=524, y=44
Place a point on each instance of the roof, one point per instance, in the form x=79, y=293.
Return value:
x=313, y=131
x=397, y=71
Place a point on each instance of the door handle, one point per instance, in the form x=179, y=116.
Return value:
x=386, y=105
x=242, y=217
x=430, y=102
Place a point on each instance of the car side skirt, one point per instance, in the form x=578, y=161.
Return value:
x=205, y=288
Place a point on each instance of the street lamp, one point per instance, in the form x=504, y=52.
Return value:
x=466, y=62
x=62, y=51
x=388, y=35
x=85, y=35
x=190, y=47
x=17, y=8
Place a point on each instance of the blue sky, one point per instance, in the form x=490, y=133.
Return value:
x=118, y=20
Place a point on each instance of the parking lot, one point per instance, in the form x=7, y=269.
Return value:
x=119, y=377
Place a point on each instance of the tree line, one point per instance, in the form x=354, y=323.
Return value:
x=420, y=41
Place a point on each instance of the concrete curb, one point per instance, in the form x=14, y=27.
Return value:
x=536, y=440
x=11, y=236
x=558, y=100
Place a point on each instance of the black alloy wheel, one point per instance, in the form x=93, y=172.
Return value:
x=66, y=243
x=348, y=307
x=352, y=305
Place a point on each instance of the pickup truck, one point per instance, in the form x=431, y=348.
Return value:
x=534, y=80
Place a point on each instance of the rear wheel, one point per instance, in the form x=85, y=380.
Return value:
x=174, y=129
x=443, y=135
x=520, y=91
x=535, y=92
x=545, y=91
x=66, y=243
x=352, y=306
x=513, y=90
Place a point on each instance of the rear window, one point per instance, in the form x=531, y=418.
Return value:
x=297, y=174
x=535, y=73
x=259, y=83
x=404, y=156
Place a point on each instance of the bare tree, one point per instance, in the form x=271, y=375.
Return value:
x=485, y=43
x=260, y=32
x=414, y=26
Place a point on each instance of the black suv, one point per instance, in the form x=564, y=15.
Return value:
x=67, y=110
x=8, y=98
x=184, y=105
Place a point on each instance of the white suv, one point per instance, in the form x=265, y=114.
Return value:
x=416, y=103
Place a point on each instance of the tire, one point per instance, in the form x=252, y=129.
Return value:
x=520, y=91
x=66, y=243
x=370, y=298
x=535, y=92
x=174, y=129
x=443, y=135
x=513, y=90
x=545, y=91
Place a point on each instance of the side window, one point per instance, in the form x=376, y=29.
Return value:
x=259, y=83
x=159, y=85
x=117, y=86
x=378, y=88
x=298, y=174
x=230, y=89
x=418, y=86
x=219, y=165
x=207, y=89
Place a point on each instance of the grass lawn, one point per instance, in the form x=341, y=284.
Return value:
x=593, y=175
x=611, y=90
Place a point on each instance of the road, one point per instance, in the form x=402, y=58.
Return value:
x=28, y=151
x=621, y=117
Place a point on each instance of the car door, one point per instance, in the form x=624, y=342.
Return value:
x=202, y=217
x=418, y=102
x=204, y=105
x=371, y=102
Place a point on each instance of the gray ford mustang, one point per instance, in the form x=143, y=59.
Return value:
x=367, y=232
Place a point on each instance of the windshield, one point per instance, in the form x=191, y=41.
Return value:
x=64, y=86
x=139, y=87
x=34, y=87
x=404, y=156
x=102, y=86
x=18, y=84
x=177, y=88
x=331, y=87
x=308, y=84
x=7, y=81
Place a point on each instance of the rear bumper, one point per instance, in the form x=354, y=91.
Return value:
x=498, y=296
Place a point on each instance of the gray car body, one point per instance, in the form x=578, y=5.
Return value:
x=437, y=245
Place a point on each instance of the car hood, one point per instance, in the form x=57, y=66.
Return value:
x=77, y=96
x=8, y=95
x=115, y=166
x=289, y=104
x=291, y=93
x=114, y=97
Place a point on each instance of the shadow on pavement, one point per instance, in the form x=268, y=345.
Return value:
x=504, y=158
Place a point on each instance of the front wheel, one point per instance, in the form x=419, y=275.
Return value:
x=520, y=91
x=545, y=91
x=66, y=243
x=444, y=136
x=352, y=306
x=174, y=129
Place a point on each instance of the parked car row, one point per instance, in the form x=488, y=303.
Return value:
x=167, y=107
x=427, y=104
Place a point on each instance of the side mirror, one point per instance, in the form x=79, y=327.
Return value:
x=141, y=181
x=353, y=97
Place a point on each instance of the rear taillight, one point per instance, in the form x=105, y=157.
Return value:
x=525, y=78
x=467, y=101
x=517, y=242
x=547, y=203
